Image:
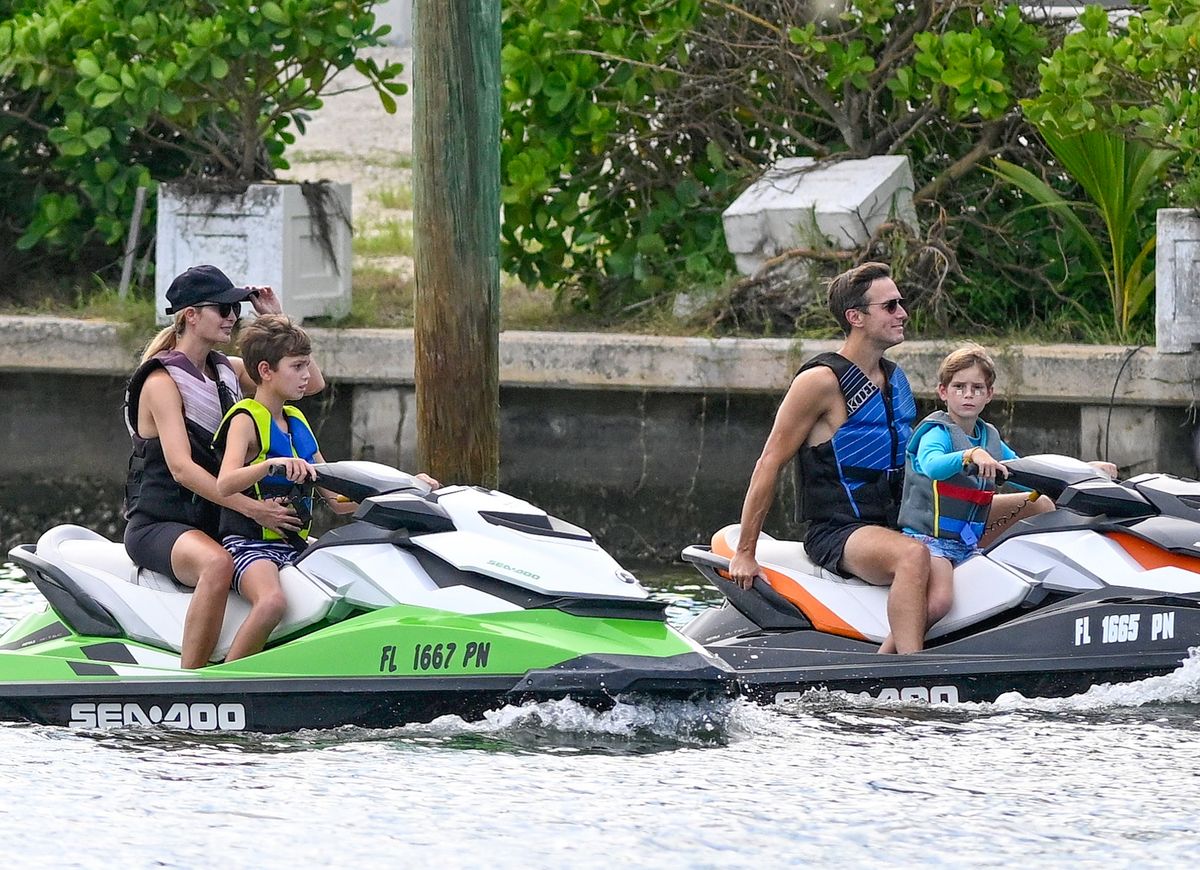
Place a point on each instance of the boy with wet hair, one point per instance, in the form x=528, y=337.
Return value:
x=269, y=451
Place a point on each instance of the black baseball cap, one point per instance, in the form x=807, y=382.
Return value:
x=203, y=284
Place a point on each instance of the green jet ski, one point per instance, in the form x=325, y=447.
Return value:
x=454, y=601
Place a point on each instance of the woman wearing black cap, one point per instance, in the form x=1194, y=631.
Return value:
x=173, y=405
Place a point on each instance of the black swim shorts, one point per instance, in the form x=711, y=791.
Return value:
x=825, y=543
x=149, y=542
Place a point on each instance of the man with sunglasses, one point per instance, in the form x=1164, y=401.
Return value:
x=173, y=404
x=846, y=419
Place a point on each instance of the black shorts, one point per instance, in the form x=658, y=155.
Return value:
x=825, y=543
x=149, y=542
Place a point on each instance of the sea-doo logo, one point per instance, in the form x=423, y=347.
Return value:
x=510, y=569
x=194, y=716
x=927, y=694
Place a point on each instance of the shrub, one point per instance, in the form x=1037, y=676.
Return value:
x=629, y=127
x=127, y=92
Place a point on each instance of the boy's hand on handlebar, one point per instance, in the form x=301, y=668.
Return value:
x=295, y=470
x=987, y=467
x=433, y=484
x=1106, y=468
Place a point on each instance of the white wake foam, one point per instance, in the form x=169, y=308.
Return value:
x=679, y=722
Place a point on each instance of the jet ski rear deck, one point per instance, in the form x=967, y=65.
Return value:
x=1104, y=590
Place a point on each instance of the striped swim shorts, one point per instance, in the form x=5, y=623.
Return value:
x=247, y=551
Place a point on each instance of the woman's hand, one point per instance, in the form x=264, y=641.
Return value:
x=273, y=514
x=264, y=300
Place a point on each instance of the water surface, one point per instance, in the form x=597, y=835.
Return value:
x=1109, y=776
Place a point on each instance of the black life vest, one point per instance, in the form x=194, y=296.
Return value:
x=857, y=476
x=150, y=490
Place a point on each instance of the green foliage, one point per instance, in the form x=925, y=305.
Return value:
x=629, y=126
x=1117, y=177
x=125, y=92
x=1139, y=77
x=599, y=198
x=880, y=70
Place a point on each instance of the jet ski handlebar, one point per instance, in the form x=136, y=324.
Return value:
x=1002, y=474
x=1050, y=474
x=358, y=480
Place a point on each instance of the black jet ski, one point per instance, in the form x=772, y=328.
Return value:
x=1105, y=589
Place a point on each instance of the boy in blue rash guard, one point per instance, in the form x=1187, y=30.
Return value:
x=953, y=461
x=953, y=467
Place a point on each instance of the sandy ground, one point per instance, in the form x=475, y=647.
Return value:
x=354, y=123
x=353, y=139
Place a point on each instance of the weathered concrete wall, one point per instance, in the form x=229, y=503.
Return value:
x=647, y=441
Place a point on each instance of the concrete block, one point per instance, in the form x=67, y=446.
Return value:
x=1177, y=280
x=1138, y=440
x=383, y=426
x=263, y=236
x=799, y=202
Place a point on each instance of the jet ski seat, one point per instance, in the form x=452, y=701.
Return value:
x=851, y=607
x=150, y=607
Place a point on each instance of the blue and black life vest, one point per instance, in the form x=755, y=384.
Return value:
x=150, y=489
x=956, y=508
x=273, y=443
x=857, y=475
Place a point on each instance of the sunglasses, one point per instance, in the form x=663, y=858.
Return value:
x=890, y=306
x=223, y=308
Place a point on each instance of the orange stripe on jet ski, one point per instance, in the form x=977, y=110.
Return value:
x=1150, y=557
x=822, y=618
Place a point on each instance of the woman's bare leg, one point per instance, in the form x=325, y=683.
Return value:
x=200, y=562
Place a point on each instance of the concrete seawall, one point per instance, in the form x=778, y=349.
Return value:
x=648, y=441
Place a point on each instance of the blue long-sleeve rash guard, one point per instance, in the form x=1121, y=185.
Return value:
x=936, y=460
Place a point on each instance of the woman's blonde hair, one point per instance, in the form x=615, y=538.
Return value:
x=166, y=339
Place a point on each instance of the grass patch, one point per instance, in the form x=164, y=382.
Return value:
x=384, y=159
x=400, y=198
x=380, y=298
x=316, y=156
x=135, y=309
x=392, y=238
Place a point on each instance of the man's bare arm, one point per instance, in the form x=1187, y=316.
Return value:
x=810, y=398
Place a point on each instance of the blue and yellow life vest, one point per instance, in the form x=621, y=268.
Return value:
x=274, y=443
